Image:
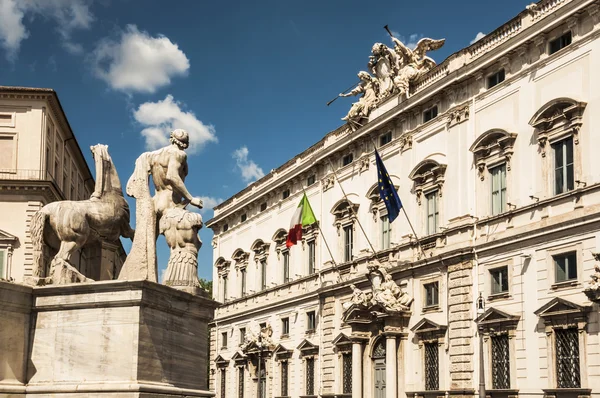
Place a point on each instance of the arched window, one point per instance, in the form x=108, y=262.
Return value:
x=557, y=126
x=428, y=179
x=345, y=212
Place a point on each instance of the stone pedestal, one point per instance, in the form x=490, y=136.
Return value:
x=104, y=339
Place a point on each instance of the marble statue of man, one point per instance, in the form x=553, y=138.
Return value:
x=180, y=228
x=168, y=168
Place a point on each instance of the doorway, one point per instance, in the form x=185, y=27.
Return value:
x=378, y=358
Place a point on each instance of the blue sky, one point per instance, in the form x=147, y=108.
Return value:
x=248, y=79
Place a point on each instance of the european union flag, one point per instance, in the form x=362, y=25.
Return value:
x=387, y=191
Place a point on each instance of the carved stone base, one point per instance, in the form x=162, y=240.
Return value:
x=103, y=339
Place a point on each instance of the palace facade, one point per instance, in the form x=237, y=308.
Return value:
x=493, y=153
x=41, y=162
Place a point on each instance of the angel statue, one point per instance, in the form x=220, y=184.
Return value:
x=413, y=63
x=384, y=65
x=359, y=110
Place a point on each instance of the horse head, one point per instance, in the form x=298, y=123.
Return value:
x=106, y=175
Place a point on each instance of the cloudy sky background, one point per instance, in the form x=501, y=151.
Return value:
x=248, y=80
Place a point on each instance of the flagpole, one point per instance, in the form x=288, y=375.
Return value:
x=351, y=207
x=404, y=211
x=324, y=240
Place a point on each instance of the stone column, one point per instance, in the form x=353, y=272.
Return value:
x=391, y=375
x=357, y=369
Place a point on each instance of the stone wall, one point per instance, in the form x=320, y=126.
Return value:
x=460, y=325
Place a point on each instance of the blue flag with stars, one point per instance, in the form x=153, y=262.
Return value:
x=387, y=191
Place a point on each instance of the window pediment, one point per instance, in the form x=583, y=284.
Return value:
x=221, y=362
x=344, y=209
x=559, y=307
x=558, y=119
x=280, y=237
x=239, y=359
x=490, y=146
x=222, y=265
x=240, y=257
x=6, y=237
x=428, y=175
x=427, y=326
x=281, y=352
x=493, y=318
x=342, y=343
x=307, y=348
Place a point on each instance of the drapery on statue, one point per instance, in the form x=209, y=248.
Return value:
x=168, y=168
x=69, y=225
x=368, y=87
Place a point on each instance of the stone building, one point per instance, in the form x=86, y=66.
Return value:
x=41, y=162
x=493, y=153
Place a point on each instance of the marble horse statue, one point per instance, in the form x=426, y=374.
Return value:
x=68, y=225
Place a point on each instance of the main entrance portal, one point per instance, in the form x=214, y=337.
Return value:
x=379, y=366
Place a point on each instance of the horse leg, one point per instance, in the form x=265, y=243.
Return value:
x=66, y=250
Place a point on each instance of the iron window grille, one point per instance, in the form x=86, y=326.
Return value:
x=432, y=366
x=499, y=280
x=284, y=378
x=347, y=373
x=223, y=382
x=241, y=382
x=500, y=362
x=310, y=376
x=567, y=358
x=566, y=267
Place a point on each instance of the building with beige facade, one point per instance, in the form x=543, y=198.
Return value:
x=493, y=153
x=41, y=162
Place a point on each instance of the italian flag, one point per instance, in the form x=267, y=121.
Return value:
x=303, y=217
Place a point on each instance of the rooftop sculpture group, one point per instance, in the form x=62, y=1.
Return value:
x=65, y=226
x=393, y=72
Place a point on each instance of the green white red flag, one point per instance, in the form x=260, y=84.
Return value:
x=303, y=217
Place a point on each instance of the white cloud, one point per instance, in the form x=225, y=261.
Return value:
x=68, y=15
x=209, y=203
x=161, y=117
x=478, y=36
x=138, y=62
x=250, y=170
x=410, y=41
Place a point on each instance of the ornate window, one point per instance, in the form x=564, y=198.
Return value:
x=560, y=42
x=430, y=114
x=345, y=214
x=431, y=338
x=386, y=231
x=223, y=267
x=498, y=329
x=428, y=180
x=343, y=347
x=311, y=247
x=222, y=364
x=282, y=356
x=565, y=327
x=347, y=159
x=498, y=183
x=557, y=126
x=261, y=252
x=241, y=265
x=7, y=244
x=309, y=352
x=495, y=78
x=385, y=138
